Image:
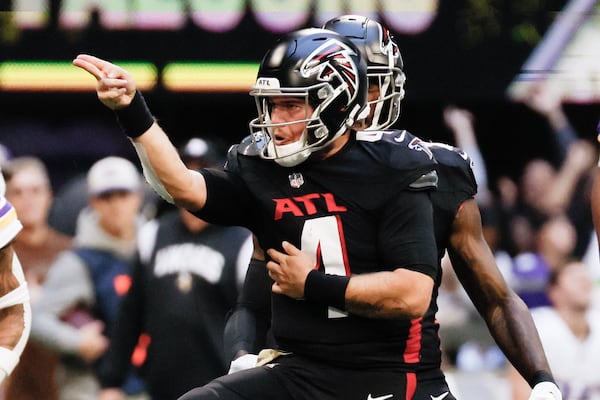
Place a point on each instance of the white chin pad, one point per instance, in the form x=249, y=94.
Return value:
x=288, y=155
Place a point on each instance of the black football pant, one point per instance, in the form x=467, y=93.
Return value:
x=296, y=378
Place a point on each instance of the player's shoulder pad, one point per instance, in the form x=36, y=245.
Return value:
x=449, y=155
x=247, y=147
x=398, y=149
x=454, y=165
x=250, y=145
x=232, y=162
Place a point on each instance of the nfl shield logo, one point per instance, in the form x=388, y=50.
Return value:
x=296, y=180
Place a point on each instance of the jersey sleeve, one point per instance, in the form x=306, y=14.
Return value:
x=455, y=167
x=406, y=155
x=9, y=223
x=407, y=234
x=228, y=201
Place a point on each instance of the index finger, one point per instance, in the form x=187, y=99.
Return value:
x=94, y=65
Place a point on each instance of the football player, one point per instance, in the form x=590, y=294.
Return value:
x=345, y=219
x=457, y=217
x=15, y=314
x=457, y=228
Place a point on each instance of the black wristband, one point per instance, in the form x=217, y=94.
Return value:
x=326, y=289
x=541, y=376
x=136, y=118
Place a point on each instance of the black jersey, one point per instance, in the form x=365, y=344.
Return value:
x=358, y=211
x=456, y=183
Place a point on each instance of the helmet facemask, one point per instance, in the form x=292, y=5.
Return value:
x=290, y=154
x=385, y=109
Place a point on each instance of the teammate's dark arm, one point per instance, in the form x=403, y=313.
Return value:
x=247, y=326
x=505, y=314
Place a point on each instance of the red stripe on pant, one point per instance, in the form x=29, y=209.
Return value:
x=411, y=385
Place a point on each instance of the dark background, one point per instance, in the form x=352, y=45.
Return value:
x=467, y=57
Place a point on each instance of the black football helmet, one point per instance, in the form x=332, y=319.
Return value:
x=321, y=67
x=384, y=64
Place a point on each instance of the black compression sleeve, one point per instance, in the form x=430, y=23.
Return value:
x=247, y=327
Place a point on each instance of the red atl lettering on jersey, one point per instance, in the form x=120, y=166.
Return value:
x=306, y=205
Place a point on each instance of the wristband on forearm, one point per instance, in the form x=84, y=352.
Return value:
x=326, y=289
x=136, y=118
x=540, y=376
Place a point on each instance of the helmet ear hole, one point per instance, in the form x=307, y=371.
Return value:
x=320, y=132
x=324, y=92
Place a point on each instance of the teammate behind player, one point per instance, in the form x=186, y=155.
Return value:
x=458, y=221
x=15, y=317
x=385, y=67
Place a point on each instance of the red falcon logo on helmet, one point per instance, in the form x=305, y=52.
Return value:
x=333, y=60
x=387, y=44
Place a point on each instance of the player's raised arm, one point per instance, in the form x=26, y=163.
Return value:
x=162, y=166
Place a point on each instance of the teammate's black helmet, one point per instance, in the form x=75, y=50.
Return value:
x=322, y=67
x=384, y=64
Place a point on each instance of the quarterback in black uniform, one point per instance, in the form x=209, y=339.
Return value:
x=457, y=228
x=346, y=221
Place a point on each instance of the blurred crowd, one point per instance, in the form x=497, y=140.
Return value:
x=102, y=335
x=540, y=229
x=115, y=274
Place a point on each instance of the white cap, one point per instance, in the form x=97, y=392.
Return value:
x=195, y=148
x=113, y=174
